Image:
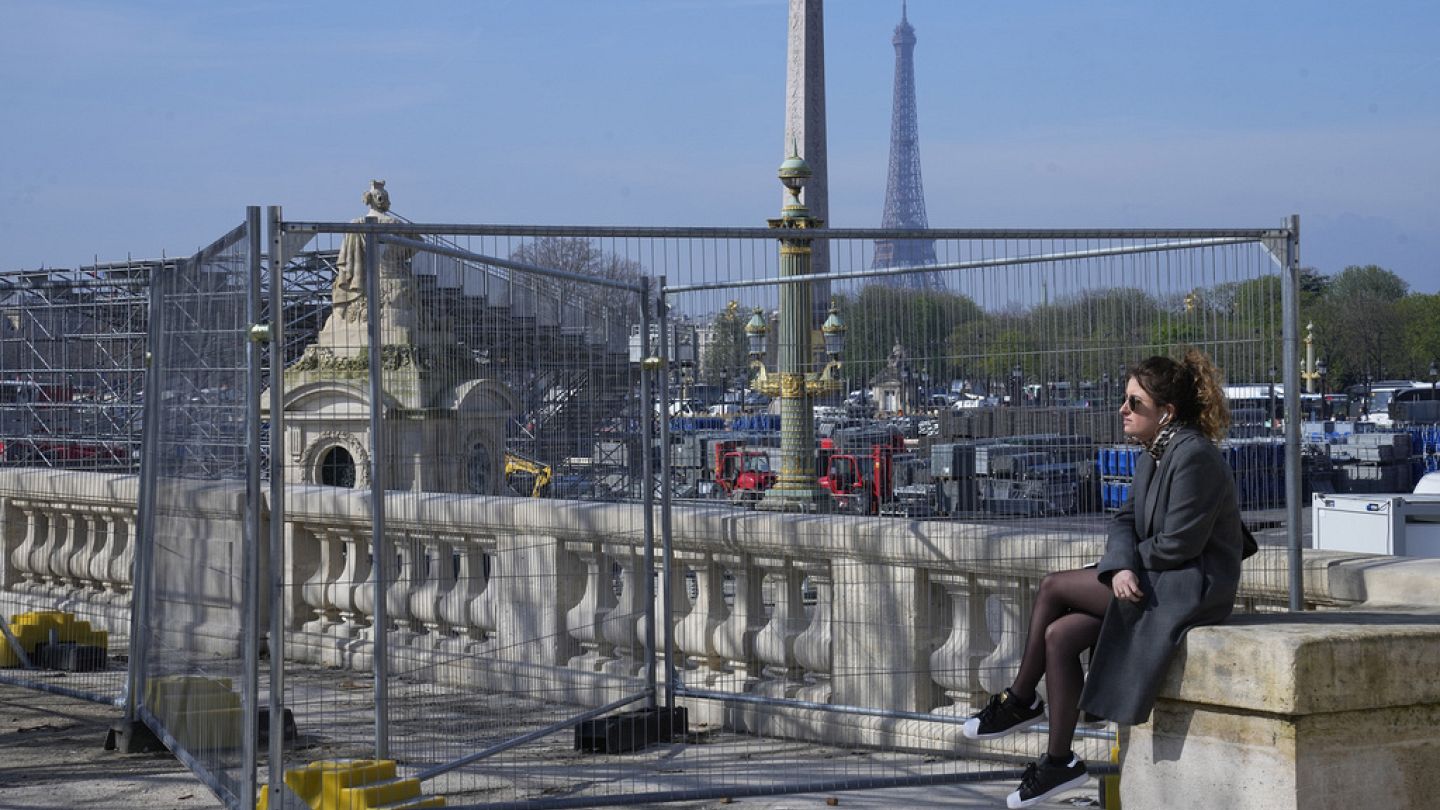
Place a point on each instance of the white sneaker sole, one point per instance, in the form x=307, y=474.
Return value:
x=971, y=729
x=1014, y=802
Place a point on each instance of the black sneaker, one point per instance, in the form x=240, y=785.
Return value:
x=1002, y=715
x=1046, y=778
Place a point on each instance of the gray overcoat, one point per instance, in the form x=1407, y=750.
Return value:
x=1180, y=532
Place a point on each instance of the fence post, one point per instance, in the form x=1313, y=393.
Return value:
x=141, y=586
x=250, y=584
x=648, y=366
x=667, y=595
x=276, y=640
x=1290, y=291
x=377, y=494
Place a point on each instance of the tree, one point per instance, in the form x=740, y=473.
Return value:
x=1362, y=327
x=727, y=355
x=1420, y=318
x=882, y=316
x=576, y=255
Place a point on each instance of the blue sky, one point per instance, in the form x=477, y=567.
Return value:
x=147, y=126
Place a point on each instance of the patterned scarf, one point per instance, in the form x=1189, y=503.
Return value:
x=1156, y=447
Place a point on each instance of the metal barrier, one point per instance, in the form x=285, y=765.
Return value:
x=194, y=637
x=563, y=535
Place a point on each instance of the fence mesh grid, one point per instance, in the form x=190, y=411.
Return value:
x=194, y=625
x=978, y=419
x=72, y=343
x=966, y=446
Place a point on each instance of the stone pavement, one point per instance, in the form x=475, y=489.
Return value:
x=54, y=760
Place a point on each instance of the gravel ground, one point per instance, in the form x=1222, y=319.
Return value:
x=54, y=759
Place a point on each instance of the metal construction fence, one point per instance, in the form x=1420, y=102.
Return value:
x=658, y=522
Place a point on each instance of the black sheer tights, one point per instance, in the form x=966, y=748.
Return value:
x=1065, y=623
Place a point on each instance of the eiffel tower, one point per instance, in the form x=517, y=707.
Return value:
x=904, y=191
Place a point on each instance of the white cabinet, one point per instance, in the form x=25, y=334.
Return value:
x=1405, y=525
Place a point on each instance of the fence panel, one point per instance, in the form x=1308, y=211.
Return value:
x=505, y=384
x=976, y=416
x=964, y=445
x=71, y=371
x=194, y=630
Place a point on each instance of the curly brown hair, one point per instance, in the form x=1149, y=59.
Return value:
x=1193, y=384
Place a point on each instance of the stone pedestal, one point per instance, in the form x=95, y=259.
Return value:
x=455, y=445
x=1312, y=711
x=444, y=423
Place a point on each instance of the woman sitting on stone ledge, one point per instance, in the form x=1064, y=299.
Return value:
x=1172, y=562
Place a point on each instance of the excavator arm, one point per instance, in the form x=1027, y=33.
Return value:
x=520, y=471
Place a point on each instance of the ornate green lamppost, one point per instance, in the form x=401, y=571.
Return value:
x=796, y=489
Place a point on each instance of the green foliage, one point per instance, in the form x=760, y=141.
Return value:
x=1420, y=319
x=1366, y=322
x=1359, y=328
x=727, y=354
x=881, y=316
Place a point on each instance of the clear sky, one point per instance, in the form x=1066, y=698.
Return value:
x=146, y=126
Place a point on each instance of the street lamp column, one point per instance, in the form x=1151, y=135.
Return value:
x=796, y=489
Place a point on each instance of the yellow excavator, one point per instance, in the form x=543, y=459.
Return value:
x=525, y=475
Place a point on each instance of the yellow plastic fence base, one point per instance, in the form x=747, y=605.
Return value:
x=1110, y=785
x=200, y=713
x=357, y=784
x=33, y=629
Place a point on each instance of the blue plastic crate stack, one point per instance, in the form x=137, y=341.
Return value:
x=1425, y=444
x=1117, y=473
x=1257, y=465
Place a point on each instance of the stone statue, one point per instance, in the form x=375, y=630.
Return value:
x=347, y=296
x=898, y=356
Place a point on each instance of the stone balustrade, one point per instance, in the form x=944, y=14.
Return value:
x=68, y=543
x=912, y=619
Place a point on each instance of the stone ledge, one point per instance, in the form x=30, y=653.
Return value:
x=1311, y=663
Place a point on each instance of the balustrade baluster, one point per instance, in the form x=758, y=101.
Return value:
x=680, y=606
x=775, y=644
x=365, y=596
x=1007, y=619
x=87, y=540
x=952, y=664
x=316, y=591
x=735, y=637
x=621, y=625
x=584, y=621
x=485, y=609
x=695, y=636
x=97, y=564
x=122, y=565
x=352, y=592
x=813, y=646
x=435, y=565
x=49, y=558
x=469, y=586
x=36, y=528
x=409, y=576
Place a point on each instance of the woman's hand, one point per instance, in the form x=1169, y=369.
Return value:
x=1126, y=586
